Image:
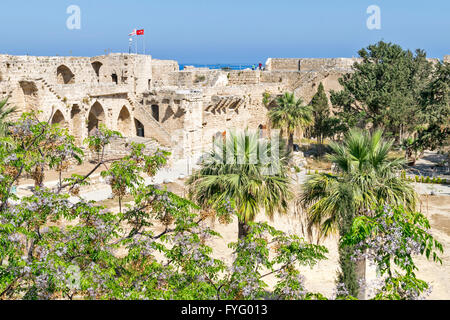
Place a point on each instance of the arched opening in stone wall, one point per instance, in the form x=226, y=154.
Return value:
x=77, y=123
x=58, y=118
x=96, y=116
x=64, y=75
x=97, y=65
x=261, y=131
x=30, y=95
x=114, y=78
x=124, y=122
x=155, y=112
x=140, y=131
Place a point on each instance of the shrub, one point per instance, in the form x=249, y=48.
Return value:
x=417, y=179
x=427, y=180
x=199, y=78
x=439, y=180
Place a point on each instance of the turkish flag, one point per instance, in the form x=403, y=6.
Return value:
x=140, y=32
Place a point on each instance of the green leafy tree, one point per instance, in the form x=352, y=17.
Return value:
x=365, y=177
x=52, y=247
x=391, y=237
x=238, y=175
x=5, y=112
x=435, y=111
x=321, y=113
x=384, y=91
x=289, y=115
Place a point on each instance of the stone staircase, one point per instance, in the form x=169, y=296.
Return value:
x=157, y=131
x=49, y=87
x=219, y=104
x=306, y=79
x=121, y=146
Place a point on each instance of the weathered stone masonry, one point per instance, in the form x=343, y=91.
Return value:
x=154, y=102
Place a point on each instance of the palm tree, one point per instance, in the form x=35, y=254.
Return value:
x=289, y=115
x=366, y=177
x=4, y=113
x=237, y=173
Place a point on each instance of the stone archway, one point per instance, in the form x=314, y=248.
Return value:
x=140, y=131
x=155, y=112
x=115, y=78
x=96, y=116
x=58, y=118
x=30, y=96
x=97, y=66
x=64, y=75
x=124, y=123
x=77, y=123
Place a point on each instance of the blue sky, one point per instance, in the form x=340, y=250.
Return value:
x=226, y=31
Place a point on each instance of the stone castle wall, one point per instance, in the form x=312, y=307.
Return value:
x=153, y=100
x=311, y=64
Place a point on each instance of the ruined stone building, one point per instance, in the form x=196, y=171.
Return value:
x=154, y=102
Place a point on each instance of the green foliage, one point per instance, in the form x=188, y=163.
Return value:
x=244, y=176
x=100, y=138
x=366, y=177
x=384, y=90
x=435, y=111
x=55, y=248
x=320, y=112
x=324, y=124
x=391, y=237
x=266, y=98
x=4, y=114
x=289, y=115
x=363, y=161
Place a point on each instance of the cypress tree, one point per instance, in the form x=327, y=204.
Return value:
x=321, y=113
x=347, y=274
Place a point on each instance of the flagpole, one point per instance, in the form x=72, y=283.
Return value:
x=136, y=41
x=144, y=42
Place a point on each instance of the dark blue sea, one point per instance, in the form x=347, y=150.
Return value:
x=219, y=66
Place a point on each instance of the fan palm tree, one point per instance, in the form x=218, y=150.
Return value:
x=366, y=177
x=290, y=114
x=4, y=113
x=243, y=171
